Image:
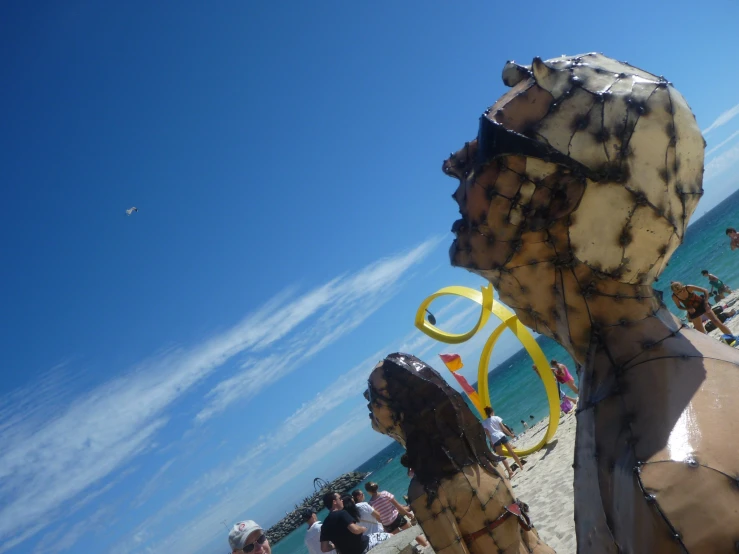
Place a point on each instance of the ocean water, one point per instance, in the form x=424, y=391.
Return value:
x=516, y=391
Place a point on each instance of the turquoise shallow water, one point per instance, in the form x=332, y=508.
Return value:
x=515, y=390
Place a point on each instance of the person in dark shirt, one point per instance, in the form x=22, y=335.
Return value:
x=340, y=530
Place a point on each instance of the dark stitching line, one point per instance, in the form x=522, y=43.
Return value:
x=675, y=533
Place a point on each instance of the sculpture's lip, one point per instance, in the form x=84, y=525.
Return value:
x=459, y=225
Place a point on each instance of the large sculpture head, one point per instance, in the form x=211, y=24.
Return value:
x=582, y=180
x=603, y=153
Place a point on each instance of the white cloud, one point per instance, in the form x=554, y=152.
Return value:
x=27, y=533
x=350, y=301
x=246, y=477
x=217, y=482
x=152, y=485
x=49, y=458
x=723, y=119
x=721, y=163
x=348, y=385
x=65, y=540
x=241, y=494
x=731, y=137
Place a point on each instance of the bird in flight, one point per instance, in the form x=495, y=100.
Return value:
x=129, y=211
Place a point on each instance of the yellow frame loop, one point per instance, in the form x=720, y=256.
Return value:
x=484, y=298
x=509, y=321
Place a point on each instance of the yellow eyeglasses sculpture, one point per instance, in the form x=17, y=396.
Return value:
x=508, y=321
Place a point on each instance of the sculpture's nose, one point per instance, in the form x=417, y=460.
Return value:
x=461, y=163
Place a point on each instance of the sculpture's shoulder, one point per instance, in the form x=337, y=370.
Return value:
x=657, y=460
x=693, y=478
x=683, y=401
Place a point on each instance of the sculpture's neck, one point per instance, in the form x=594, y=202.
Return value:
x=618, y=347
x=604, y=310
x=579, y=306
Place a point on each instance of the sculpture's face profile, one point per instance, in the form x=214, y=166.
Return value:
x=597, y=160
x=383, y=417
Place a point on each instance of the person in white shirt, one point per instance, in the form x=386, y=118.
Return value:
x=368, y=516
x=365, y=515
x=313, y=536
x=498, y=433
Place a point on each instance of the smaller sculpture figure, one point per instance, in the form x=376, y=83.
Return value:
x=460, y=499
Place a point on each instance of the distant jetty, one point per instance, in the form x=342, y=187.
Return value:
x=293, y=520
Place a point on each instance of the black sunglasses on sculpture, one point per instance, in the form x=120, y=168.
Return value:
x=494, y=141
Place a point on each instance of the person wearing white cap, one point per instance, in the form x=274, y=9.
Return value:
x=247, y=536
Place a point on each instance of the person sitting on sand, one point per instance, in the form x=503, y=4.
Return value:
x=563, y=375
x=721, y=289
x=566, y=404
x=313, y=535
x=369, y=517
x=391, y=512
x=341, y=531
x=247, y=537
x=686, y=298
x=499, y=433
x=733, y=237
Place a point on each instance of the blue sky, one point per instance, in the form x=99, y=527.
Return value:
x=203, y=360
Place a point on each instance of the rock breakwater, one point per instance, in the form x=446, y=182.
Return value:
x=293, y=520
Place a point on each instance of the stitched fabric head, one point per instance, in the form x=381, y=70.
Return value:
x=606, y=155
x=411, y=402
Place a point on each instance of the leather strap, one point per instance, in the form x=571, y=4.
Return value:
x=511, y=510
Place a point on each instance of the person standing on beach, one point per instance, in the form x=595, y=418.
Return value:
x=313, y=536
x=525, y=425
x=391, y=512
x=247, y=537
x=498, y=433
x=733, y=237
x=693, y=300
x=563, y=375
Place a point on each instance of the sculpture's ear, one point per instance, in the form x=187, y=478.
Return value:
x=514, y=73
x=541, y=71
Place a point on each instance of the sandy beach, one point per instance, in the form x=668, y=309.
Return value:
x=546, y=484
